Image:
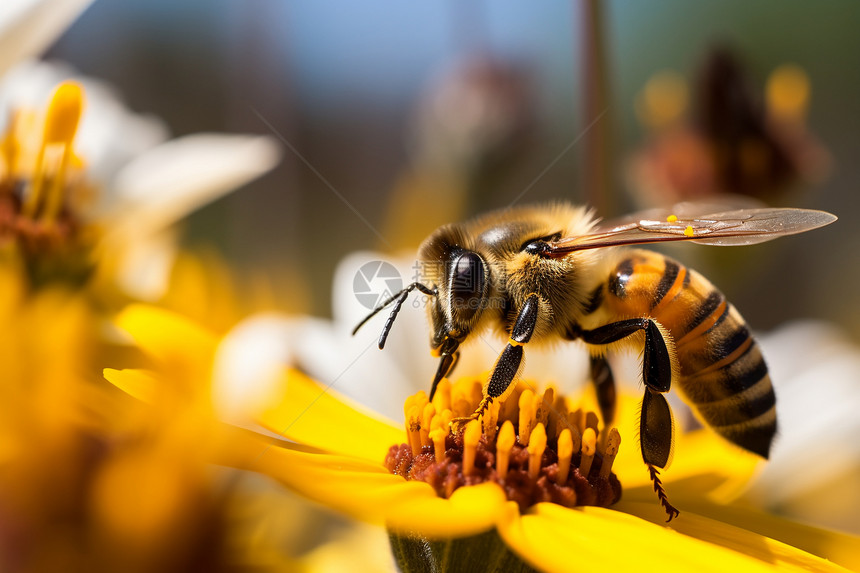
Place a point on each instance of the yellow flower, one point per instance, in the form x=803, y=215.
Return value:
x=335, y=456
x=93, y=480
x=87, y=186
x=179, y=387
x=80, y=489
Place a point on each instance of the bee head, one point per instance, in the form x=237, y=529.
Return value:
x=460, y=276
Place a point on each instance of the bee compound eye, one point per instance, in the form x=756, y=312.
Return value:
x=541, y=246
x=538, y=247
x=468, y=279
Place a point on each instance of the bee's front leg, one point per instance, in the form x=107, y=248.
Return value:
x=510, y=361
x=447, y=363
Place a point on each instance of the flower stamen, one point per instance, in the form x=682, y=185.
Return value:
x=576, y=419
x=612, y=443
x=413, y=429
x=589, y=448
x=541, y=451
x=537, y=445
x=527, y=415
x=565, y=451
x=61, y=125
x=442, y=398
x=543, y=406
x=503, y=448
x=10, y=148
x=591, y=421
x=427, y=415
x=438, y=435
x=490, y=420
x=470, y=446
x=40, y=179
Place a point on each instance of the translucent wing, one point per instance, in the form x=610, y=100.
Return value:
x=688, y=210
x=694, y=222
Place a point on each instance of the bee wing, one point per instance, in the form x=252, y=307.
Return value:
x=732, y=227
x=688, y=210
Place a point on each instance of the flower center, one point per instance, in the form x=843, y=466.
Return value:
x=38, y=171
x=533, y=445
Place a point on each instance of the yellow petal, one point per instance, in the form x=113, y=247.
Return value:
x=470, y=510
x=837, y=547
x=368, y=492
x=553, y=538
x=167, y=336
x=770, y=552
x=138, y=383
x=313, y=415
x=241, y=448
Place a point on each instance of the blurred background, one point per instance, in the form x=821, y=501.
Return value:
x=396, y=117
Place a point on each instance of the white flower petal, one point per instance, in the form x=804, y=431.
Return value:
x=815, y=369
x=248, y=365
x=145, y=266
x=172, y=180
x=250, y=360
x=28, y=27
x=109, y=136
x=353, y=298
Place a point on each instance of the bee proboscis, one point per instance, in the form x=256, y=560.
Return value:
x=544, y=273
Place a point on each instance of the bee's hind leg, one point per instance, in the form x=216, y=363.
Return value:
x=655, y=432
x=656, y=427
x=656, y=422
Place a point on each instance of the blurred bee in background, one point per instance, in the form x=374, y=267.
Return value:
x=548, y=273
x=723, y=132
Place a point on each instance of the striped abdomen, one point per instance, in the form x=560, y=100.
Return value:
x=722, y=372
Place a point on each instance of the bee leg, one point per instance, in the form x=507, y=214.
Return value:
x=510, y=361
x=657, y=360
x=656, y=422
x=671, y=511
x=656, y=428
x=604, y=385
x=656, y=431
x=446, y=366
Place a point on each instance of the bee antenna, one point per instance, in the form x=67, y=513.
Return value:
x=398, y=299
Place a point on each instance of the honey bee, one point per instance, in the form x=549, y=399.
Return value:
x=548, y=273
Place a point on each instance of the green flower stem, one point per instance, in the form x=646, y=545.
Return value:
x=485, y=552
